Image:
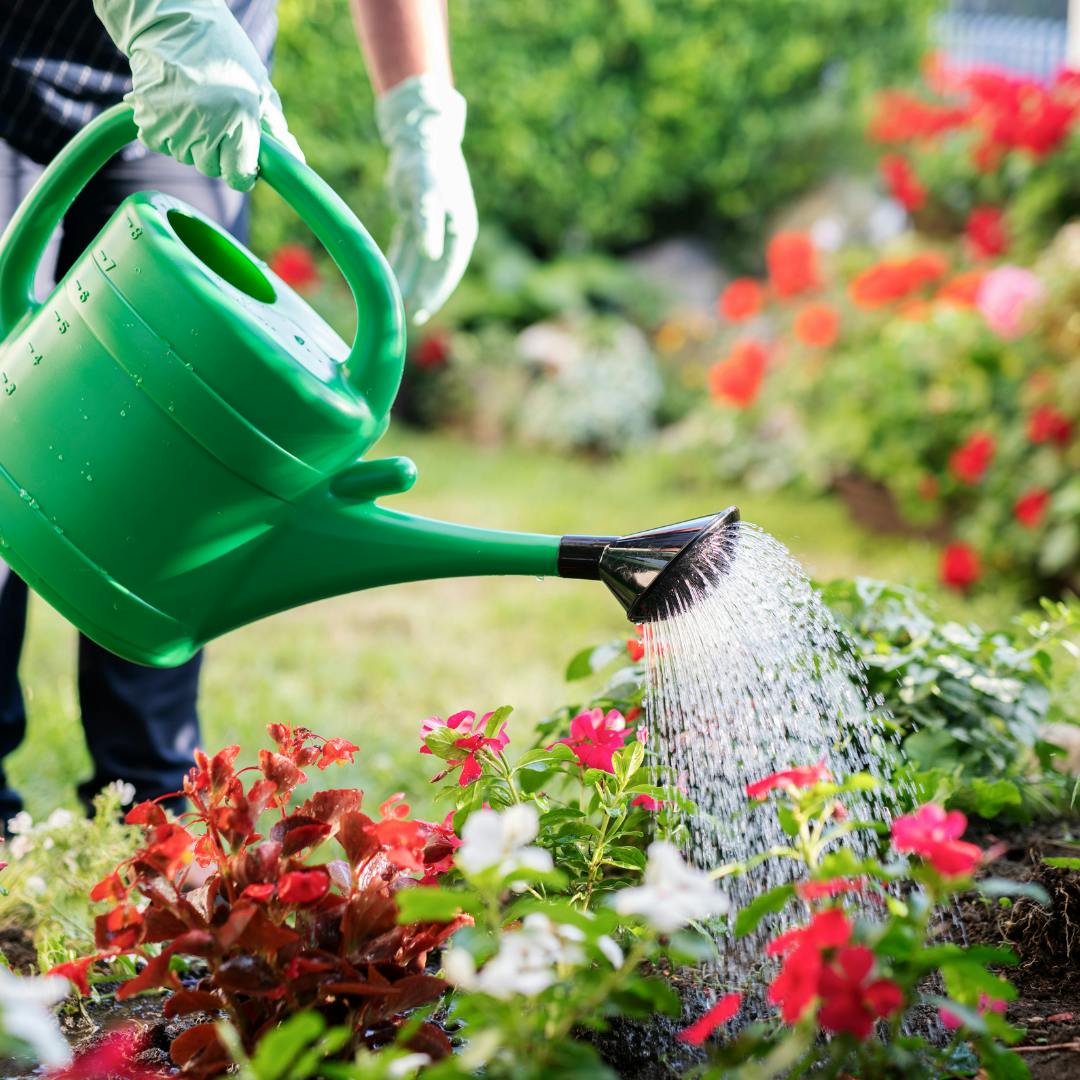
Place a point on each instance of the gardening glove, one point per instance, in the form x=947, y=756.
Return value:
x=200, y=91
x=422, y=122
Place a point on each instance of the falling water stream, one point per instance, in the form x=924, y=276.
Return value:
x=748, y=674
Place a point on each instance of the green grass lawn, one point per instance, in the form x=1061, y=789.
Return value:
x=372, y=665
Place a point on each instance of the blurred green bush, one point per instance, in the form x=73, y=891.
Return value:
x=603, y=123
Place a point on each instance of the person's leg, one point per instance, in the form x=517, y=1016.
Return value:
x=13, y=594
x=17, y=175
x=141, y=723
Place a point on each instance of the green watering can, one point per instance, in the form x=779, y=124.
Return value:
x=182, y=438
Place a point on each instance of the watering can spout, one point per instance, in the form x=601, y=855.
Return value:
x=647, y=571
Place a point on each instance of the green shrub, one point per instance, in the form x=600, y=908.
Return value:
x=606, y=122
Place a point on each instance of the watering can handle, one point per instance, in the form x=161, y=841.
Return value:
x=375, y=360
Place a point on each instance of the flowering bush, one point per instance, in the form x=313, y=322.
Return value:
x=985, y=154
x=277, y=932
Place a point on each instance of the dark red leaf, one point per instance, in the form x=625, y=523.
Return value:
x=416, y=990
x=431, y=1040
x=250, y=928
x=155, y=973
x=162, y=925
x=195, y=943
x=190, y=1001
x=279, y=769
x=119, y=929
x=329, y=806
x=360, y=989
x=75, y=971
x=298, y=832
x=246, y=975
x=221, y=770
x=146, y=813
x=303, y=886
x=109, y=888
x=356, y=834
x=197, y=1048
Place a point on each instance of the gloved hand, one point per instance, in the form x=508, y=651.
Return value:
x=422, y=122
x=200, y=91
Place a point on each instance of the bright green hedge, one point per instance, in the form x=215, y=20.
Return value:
x=606, y=122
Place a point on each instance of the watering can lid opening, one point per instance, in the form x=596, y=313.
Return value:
x=221, y=254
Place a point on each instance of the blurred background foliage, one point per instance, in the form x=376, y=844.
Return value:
x=604, y=123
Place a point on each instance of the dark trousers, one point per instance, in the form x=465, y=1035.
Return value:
x=141, y=723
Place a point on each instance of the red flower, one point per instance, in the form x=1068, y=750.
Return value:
x=985, y=232
x=433, y=350
x=636, y=648
x=1047, y=424
x=902, y=182
x=817, y=325
x=648, y=803
x=719, y=1014
x=816, y=890
x=303, y=886
x=472, y=741
x=969, y=462
x=1030, y=507
x=800, y=777
x=792, y=263
x=295, y=266
x=337, y=750
x=796, y=985
x=934, y=835
x=896, y=279
x=595, y=736
x=828, y=929
x=901, y=117
x=113, y=1056
x=737, y=379
x=741, y=300
x=960, y=567
x=851, y=1004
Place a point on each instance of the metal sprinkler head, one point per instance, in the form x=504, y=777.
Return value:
x=646, y=569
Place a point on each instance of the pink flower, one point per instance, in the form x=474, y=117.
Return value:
x=719, y=1014
x=648, y=803
x=1005, y=297
x=800, y=777
x=816, y=890
x=950, y=1020
x=472, y=741
x=934, y=834
x=595, y=736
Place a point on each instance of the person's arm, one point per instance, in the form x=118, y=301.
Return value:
x=402, y=38
x=421, y=119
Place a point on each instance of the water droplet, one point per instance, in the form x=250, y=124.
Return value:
x=172, y=407
x=89, y=478
x=299, y=339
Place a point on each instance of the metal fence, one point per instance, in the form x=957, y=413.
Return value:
x=1023, y=44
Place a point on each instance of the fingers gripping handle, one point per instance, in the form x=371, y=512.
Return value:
x=375, y=361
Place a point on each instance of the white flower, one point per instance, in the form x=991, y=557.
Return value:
x=525, y=964
x=497, y=839
x=610, y=948
x=35, y=885
x=22, y=822
x=59, y=819
x=672, y=894
x=124, y=791
x=19, y=846
x=25, y=1014
x=407, y=1065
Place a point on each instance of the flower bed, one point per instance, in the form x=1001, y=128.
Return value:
x=549, y=919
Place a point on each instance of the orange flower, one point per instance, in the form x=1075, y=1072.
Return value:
x=792, y=263
x=737, y=378
x=817, y=325
x=962, y=288
x=741, y=300
x=896, y=279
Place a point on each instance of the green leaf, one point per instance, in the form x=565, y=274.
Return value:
x=768, y=903
x=593, y=659
x=434, y=904
x=1004, y=887
x=279, y=1048
x=629, y=858
x=1063, y=863
x=496, y=720
x=990, y=797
